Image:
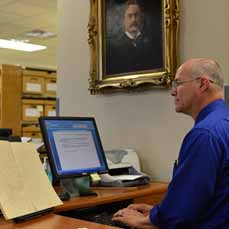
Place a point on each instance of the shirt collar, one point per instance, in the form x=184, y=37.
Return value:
x=132, y=37
x=208, y=109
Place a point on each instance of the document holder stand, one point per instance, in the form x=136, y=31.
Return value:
x=32, y=215
x=75, y=187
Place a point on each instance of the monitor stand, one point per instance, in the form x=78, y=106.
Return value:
x=74, y=187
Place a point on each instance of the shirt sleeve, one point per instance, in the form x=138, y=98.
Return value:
x=193, y=184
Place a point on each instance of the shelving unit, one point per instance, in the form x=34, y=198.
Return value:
x=38, y=99
x=25, y=95
x=10, y=97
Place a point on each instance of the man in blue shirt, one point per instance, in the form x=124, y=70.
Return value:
x=198, y=195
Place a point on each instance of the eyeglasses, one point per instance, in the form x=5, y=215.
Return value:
x=176, y=83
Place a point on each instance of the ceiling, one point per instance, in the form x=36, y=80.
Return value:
x=17, y=17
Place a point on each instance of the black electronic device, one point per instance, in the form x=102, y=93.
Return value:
x=101, y=214
x=6, y=135
x=28, y=217
x=5, y=132
x=74, y=150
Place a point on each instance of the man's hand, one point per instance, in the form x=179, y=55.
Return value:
x=143, y=208
x=133, y=219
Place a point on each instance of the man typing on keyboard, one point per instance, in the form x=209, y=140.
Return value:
x=198, y=193
x=136, y=216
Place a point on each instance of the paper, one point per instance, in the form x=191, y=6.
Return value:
x=26, y=139
x=52, y=113
x=122, y=158
x=108, y=178
x=32, y=112
x=51, y=87
x=33, y=87
x=25, y=187
x=95, y=177
x=127, y=177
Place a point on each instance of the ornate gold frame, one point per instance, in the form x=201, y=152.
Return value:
x=161, y=79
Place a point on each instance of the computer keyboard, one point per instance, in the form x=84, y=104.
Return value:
x=105, y=218
x=99, y=214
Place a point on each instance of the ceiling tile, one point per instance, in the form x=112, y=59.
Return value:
x=4, y=3
x=8, y=17
x=20, y=16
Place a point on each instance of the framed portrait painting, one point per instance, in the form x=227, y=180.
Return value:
x=133, y=44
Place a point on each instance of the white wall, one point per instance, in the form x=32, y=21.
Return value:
x=143, y=121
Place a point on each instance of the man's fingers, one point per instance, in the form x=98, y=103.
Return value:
x=118, y=213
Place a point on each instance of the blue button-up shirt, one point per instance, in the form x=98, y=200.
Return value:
x=198, y=195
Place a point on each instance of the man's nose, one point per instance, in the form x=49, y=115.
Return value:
x=173, y=91
x=133, y=18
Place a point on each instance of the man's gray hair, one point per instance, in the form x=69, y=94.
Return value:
x=209, y=68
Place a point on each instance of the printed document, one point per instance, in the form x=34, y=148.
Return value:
x=25, y=187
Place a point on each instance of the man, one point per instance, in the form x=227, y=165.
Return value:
x=134, y=50
x=198, y=195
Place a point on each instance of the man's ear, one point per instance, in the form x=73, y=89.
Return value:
x=204, y=84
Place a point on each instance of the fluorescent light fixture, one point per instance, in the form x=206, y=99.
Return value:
x=41, y=34
x=20, y=45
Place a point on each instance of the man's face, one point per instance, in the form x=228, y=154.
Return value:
x=133, y=19
x=186, y=93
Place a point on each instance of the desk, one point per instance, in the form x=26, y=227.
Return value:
x=151, y=194
x=52, y=221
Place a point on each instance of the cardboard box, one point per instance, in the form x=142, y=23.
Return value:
x=32, y=109
x=50, y=108
x=31, y=130
x=50, y=86
x=33, y=84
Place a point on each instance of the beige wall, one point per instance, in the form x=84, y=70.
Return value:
x=143, y=121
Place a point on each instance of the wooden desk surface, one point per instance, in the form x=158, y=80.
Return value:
x=109, y=195
x=52, y=221
x=105, y=195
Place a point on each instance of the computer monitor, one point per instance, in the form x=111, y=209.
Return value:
x=73, y=145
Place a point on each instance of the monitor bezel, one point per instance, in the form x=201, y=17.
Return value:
x=56, y=176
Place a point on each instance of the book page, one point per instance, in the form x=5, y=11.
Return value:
x=25, y=187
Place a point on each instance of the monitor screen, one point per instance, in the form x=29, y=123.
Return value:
x=74, y=146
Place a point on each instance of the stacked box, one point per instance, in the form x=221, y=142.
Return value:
x=32, y=109
x=33, y=82
x=31, y=130
x=50, y=108
x=50, y=85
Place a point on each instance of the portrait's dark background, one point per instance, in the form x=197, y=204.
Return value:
x=113, y=12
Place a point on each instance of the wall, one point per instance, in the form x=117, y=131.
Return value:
x=143, y=121
x=30, y=60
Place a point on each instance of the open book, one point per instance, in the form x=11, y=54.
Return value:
x=25, y=188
